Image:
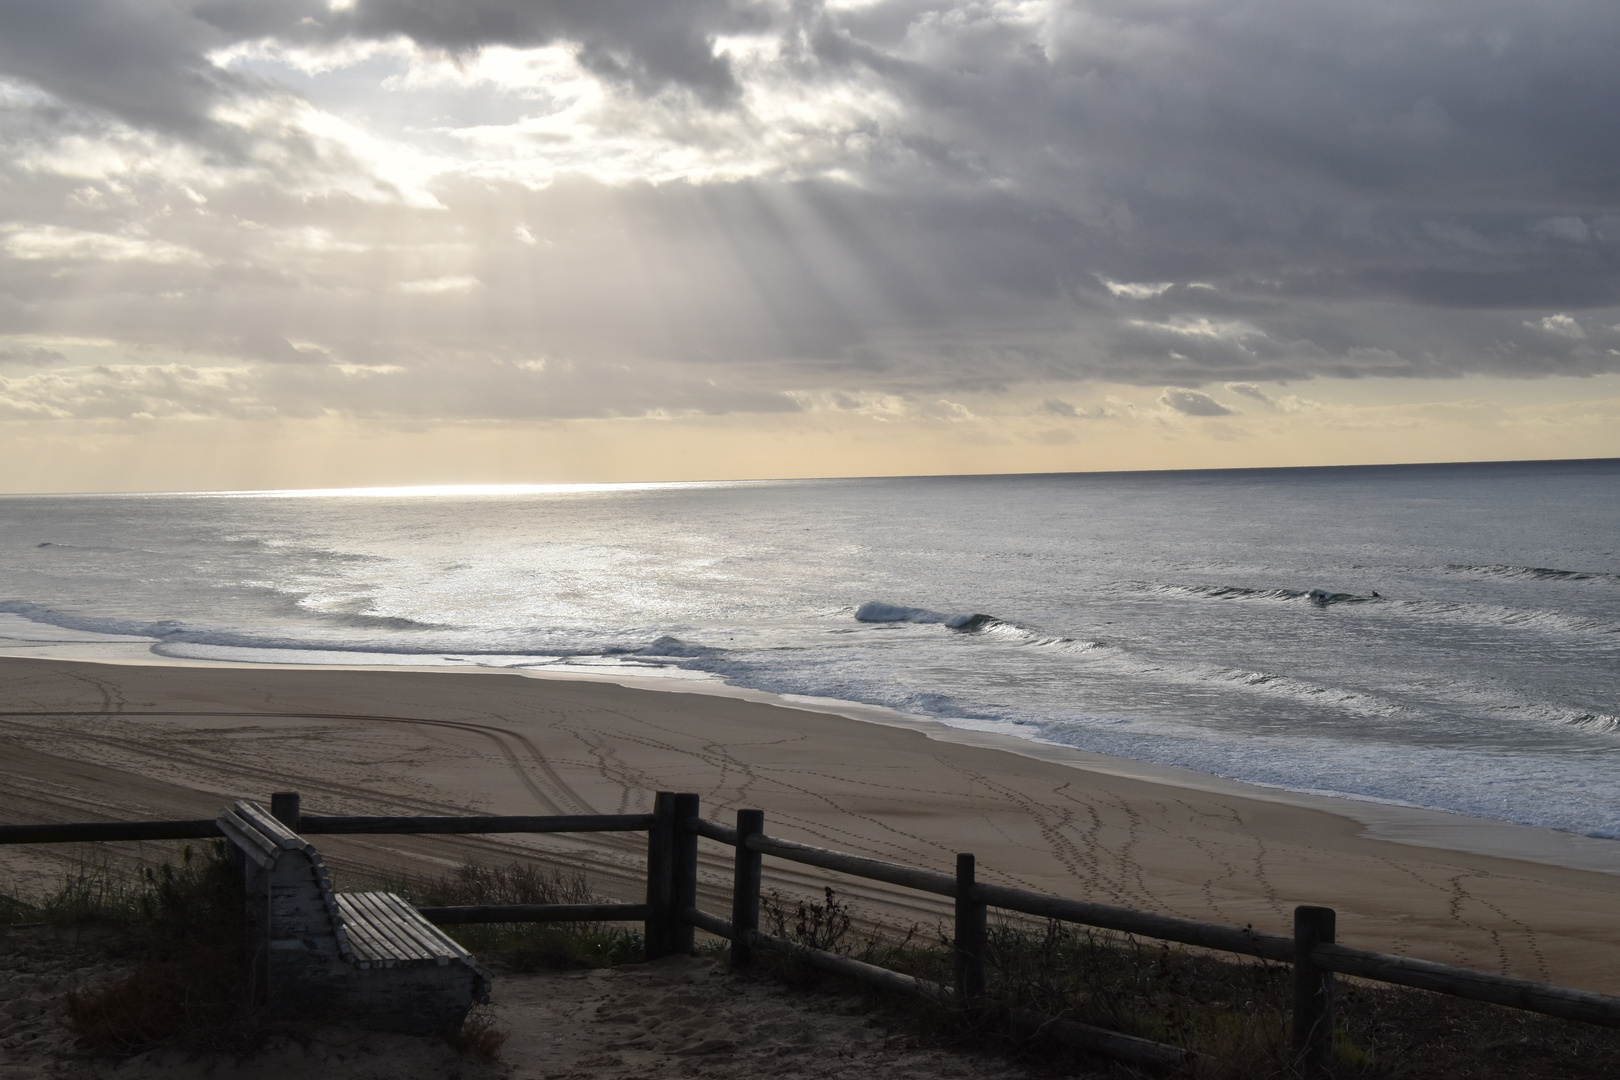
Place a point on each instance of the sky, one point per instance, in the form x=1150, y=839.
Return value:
x=322, y=243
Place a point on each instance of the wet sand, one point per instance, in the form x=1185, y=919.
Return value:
x=86, y=741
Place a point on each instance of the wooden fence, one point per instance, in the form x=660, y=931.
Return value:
x=671, y=916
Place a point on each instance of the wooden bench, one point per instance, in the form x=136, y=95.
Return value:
x=365, y=959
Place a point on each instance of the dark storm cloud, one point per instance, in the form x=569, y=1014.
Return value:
x=146, y=63
x=142, y=62
x=1408, y=151
x=1157, y=193
x=647, y=45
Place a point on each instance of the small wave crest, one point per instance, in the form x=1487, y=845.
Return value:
x=1343, y=698
x=668, y=647
x=874, y=611
x=1537, y=573
x=361, y=620
x=175, y=630
x=58, y=546
x=388, y=637
x=986, y=625
x=1315, y=597
x=1582, y=719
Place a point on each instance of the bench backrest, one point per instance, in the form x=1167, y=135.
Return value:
x=296, y=936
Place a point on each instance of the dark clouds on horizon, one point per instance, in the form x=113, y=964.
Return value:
x=767, y=201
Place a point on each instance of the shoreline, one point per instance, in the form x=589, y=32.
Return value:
x=1399, y=823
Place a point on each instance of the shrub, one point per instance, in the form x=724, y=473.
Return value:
x=191, y=986
x=529, y=946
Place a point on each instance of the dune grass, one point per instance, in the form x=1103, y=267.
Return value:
x=181, y=919
x=527, y=946
x=181, y=922
x=1234, y=1014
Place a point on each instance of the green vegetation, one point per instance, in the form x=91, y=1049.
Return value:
x=1233, y=1014
x=182, y=921
x=173, y=900
x=527, y=946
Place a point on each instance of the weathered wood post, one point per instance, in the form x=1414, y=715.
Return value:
x=684, y=878
x=972, y=930
x=745, y=888
x=287, y=808
x=1313, y=989
x=660, y=884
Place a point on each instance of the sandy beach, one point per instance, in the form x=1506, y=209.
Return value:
x=83, y=741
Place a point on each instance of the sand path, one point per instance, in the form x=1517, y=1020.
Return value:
x=683, y=1016
x=82, y=741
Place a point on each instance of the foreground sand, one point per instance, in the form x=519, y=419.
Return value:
x=85, y=741
x=681, y=1016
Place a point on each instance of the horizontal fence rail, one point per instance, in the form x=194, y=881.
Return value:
x=1464, y=982
x=114, y=831
x=855, y=865
x=1244, y=941
x=108, y=832
x=670, y=914
x=377, y=826
x=534, y=913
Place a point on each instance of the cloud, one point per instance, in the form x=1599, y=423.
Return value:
x=1192, y=402
x=1138, y=290
x=646, y=46
x=428, y=286
x=52, y=242
x=1561, y=324
x=30, y=357
x=1057, y=407
x=1568, y=227
x=741, y=204
x=442, y=389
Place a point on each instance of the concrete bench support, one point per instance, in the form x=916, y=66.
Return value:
x=365, y=959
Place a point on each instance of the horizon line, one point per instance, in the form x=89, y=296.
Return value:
x=593, y=487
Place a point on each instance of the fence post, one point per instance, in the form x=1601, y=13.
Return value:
x=745, y=888
x=971, y=931
x=286, y=807
x=660, y=886
x=683, y=876
x=1313, y=989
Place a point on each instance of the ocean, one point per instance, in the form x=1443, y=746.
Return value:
x=1444, y=636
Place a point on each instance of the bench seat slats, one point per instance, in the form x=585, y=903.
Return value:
x=389, y=925
x=372, y=942
x=419, y=936
x=428, y=937
x=385, y=929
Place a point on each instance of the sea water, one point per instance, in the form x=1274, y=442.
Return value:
x=1442, y=636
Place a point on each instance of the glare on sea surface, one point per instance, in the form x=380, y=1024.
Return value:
x=457, y=490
